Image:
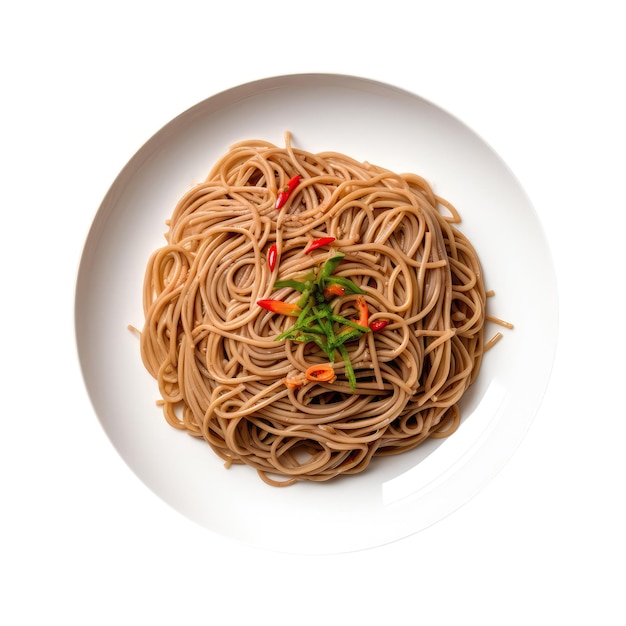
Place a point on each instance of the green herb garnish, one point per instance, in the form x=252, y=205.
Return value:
x=317, y=323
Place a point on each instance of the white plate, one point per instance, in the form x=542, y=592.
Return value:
x=397, y=496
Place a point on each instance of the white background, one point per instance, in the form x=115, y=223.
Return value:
x=84, y=86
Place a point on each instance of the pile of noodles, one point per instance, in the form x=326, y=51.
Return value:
x=213, y=350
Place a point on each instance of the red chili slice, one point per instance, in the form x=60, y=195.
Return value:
x=322, y=373
x=376, y=325
x=286, y=191
x=278, y=306
x=334, y=290
x=318, y=243
x=272, y=256
x=361, y=305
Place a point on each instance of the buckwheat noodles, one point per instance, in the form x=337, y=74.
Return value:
x=214, y=351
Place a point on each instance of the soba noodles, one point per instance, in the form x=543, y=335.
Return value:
x=408, y=290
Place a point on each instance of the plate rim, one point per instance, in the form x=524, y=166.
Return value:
x=246, y=88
